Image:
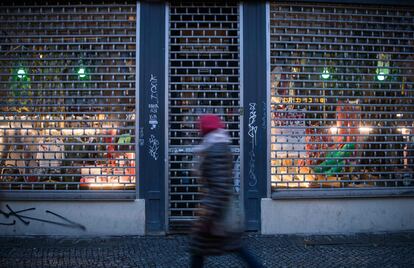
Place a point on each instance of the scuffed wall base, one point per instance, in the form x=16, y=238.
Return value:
x=337, y=216
x=74, y=218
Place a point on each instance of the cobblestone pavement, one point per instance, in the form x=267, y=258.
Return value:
x=386, y=250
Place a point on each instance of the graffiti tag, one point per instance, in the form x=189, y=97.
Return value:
x=154, y=145
x=153, y=106
x=252, y=122
x=252, y=132
x=264, y=119
x=26, y=219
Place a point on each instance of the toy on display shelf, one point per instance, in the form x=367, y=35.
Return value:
x=333, y=163
x=288, y=130
x=126, y=159
x=20, y=143
x=348, y=114
x=110, y=147
x=279, y=84
x=345, y=133
x=50, y=155
x=119, y=170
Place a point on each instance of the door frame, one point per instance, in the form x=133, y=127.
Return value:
x=166, y=116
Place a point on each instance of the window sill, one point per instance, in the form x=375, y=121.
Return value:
x=68, y=195
x=342, y=193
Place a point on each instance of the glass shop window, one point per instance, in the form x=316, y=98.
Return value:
x=67, y=97
x=342, y=101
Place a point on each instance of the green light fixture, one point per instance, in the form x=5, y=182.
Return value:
x=21, y=73
x=381, y=75
x=81, y=72
x=326, y=74
x=383, y=65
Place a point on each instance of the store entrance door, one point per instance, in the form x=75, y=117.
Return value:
x=204, y=77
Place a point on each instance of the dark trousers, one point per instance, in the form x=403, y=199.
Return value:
x=197, y=261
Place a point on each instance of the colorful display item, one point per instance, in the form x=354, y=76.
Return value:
x=334, y=164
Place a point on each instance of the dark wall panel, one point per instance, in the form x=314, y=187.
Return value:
x=254, y=103
x=152, y=109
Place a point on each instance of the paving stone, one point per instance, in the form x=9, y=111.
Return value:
x=363, y=250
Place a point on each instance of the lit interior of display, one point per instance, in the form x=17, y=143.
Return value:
x=334, y=130
x=65, y=108
x=365, y=130
x=404, y=130
x=350, y=129
x=109, y=185
x=118, y=172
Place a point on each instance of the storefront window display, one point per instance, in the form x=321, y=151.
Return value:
x=67, y=96
x=341, y=96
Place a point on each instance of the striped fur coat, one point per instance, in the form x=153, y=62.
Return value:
x=212, y=234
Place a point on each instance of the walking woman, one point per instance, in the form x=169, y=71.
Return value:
x=219, y=226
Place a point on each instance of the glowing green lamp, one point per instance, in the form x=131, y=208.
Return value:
x=383, y=66
x=326, y=74
x=81, y=72
x=21, y=73
x=382, y=73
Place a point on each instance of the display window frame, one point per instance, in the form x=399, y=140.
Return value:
x=113, y=173
x=341, y=191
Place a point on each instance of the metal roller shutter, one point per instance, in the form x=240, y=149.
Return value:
x=341, y=95
x=204, y=71
x=67, y=95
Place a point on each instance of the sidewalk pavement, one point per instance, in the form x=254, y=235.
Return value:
x=363, y=250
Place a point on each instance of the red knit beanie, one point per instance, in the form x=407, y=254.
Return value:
x=209, y=122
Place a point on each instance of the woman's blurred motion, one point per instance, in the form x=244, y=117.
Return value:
x=220, y=224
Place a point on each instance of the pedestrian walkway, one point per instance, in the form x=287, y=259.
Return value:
x=379, y=251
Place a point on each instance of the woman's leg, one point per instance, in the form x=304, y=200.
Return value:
x=197, y=261
x=249, y=258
